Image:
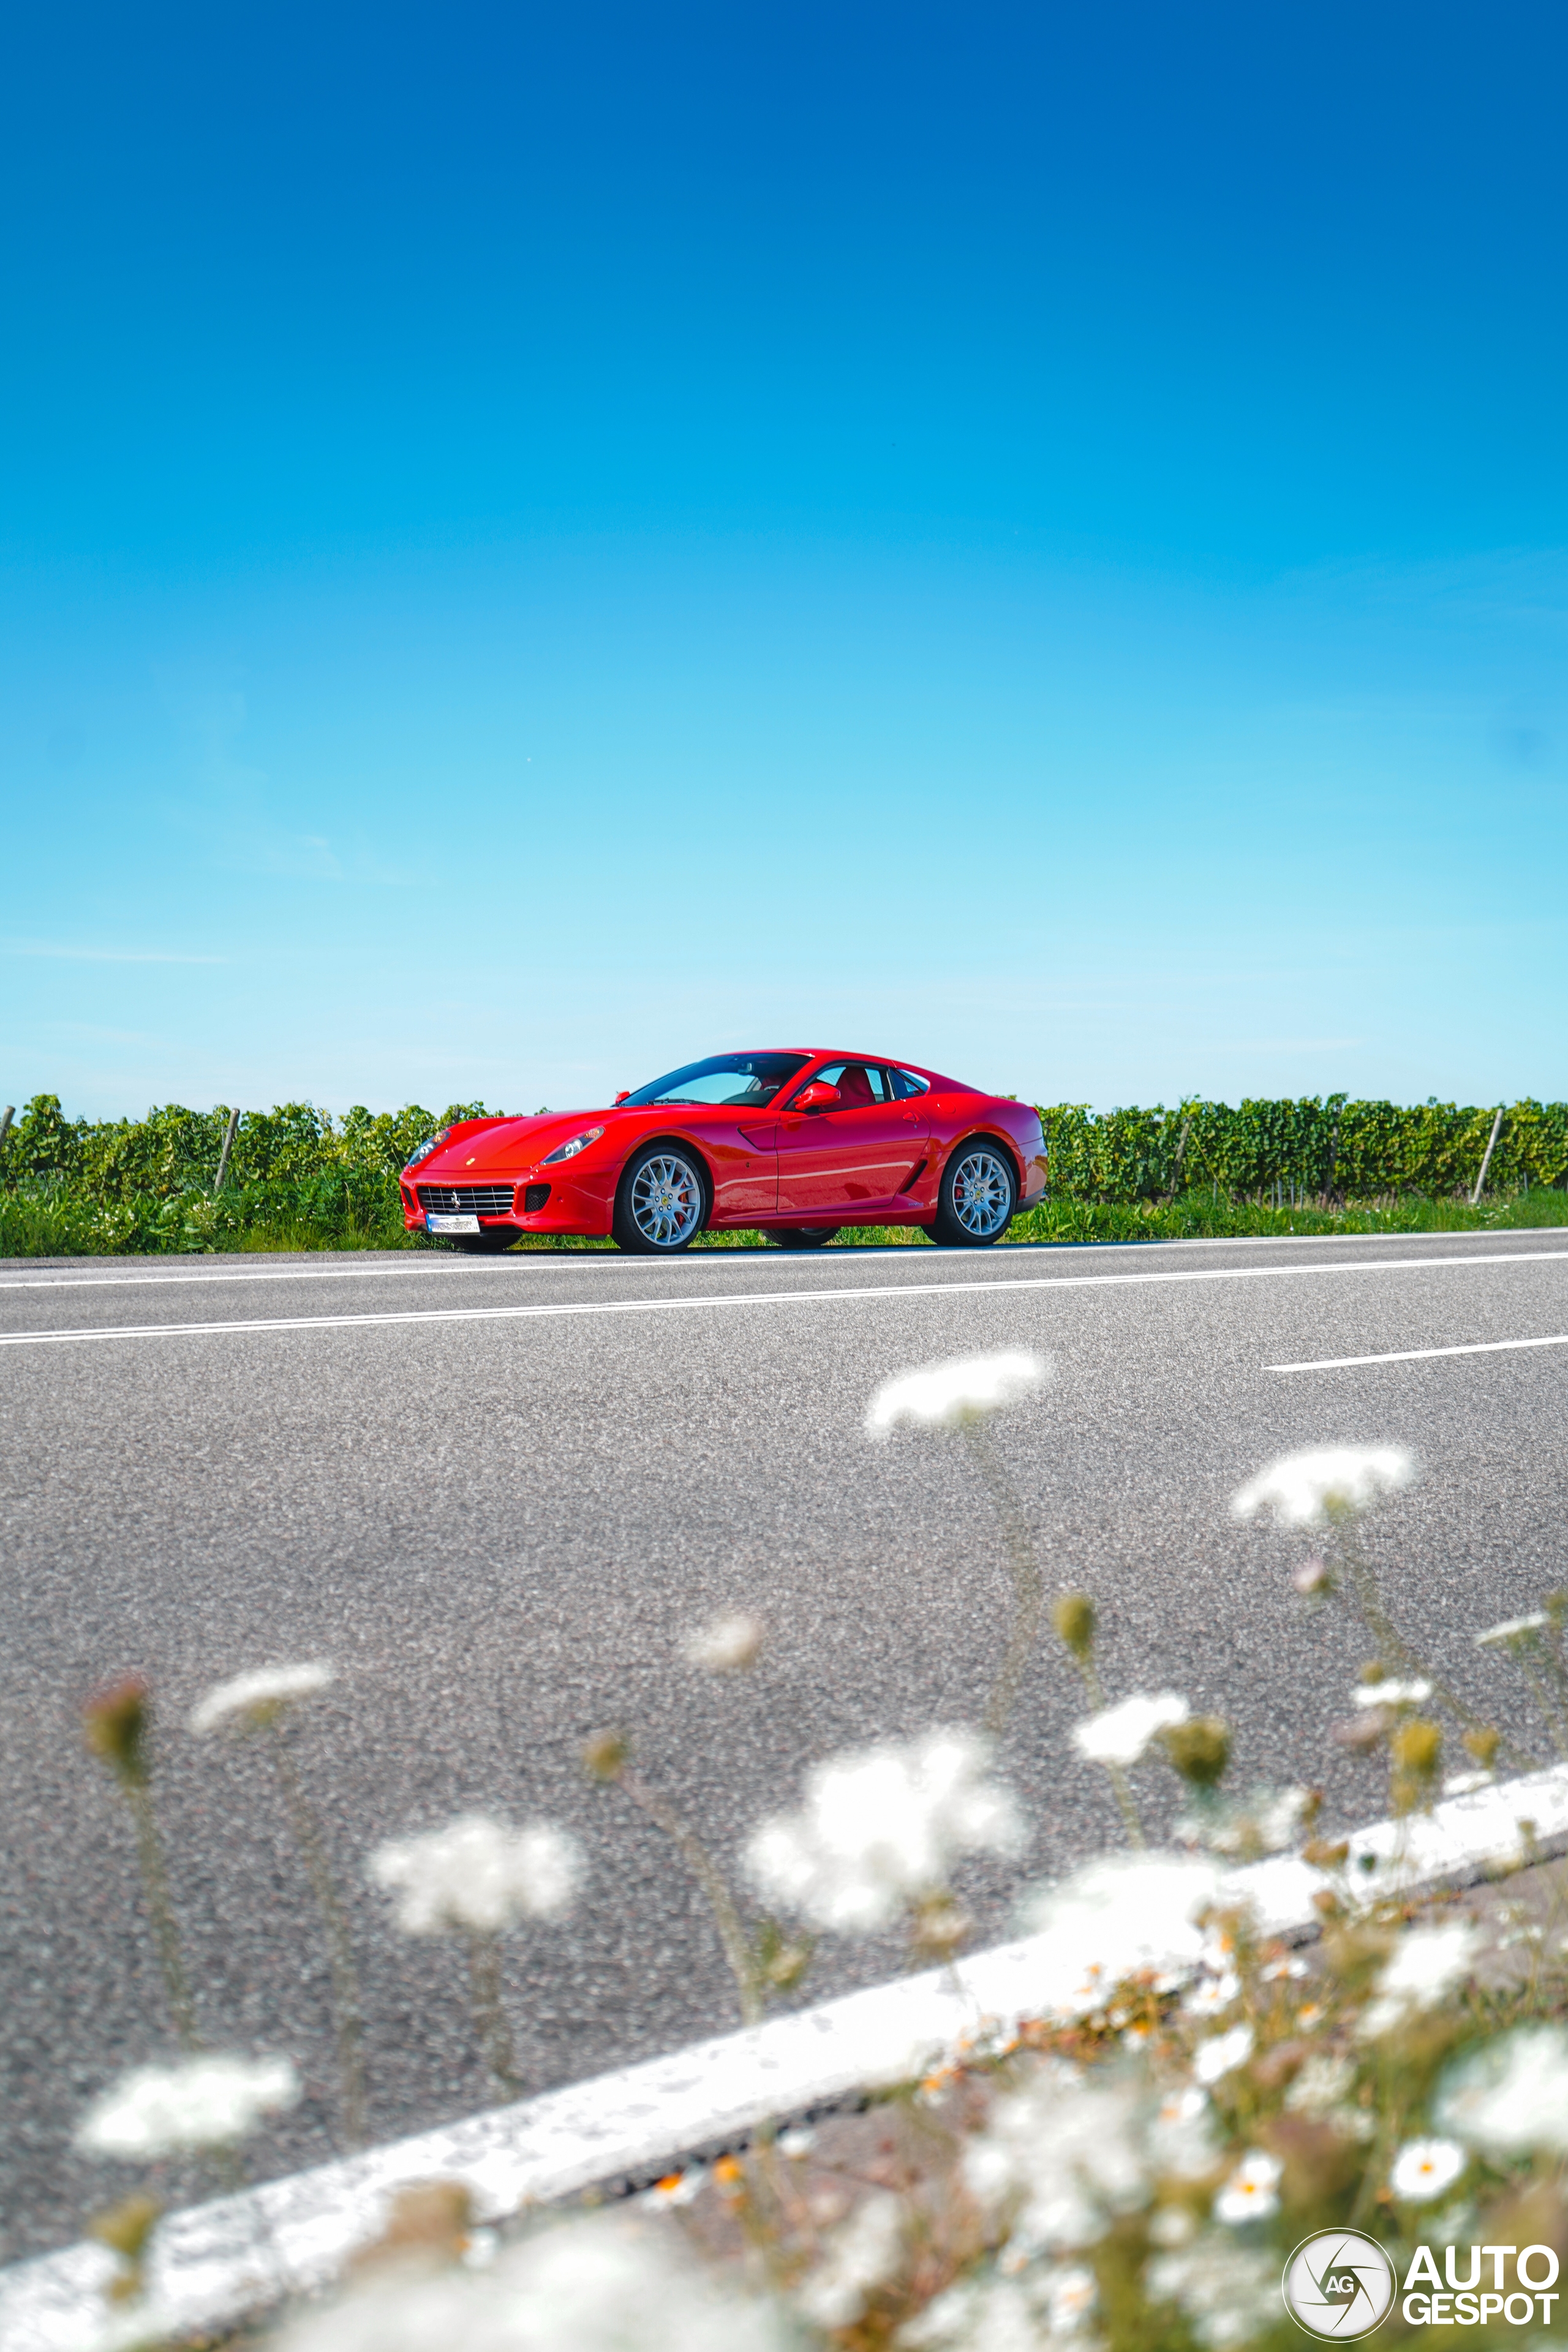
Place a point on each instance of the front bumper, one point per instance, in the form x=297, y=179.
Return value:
x=531, y=1202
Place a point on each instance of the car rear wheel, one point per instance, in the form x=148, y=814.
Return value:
x=487, y=1242
x=795, y=1237
x=976, y=1198
x=661, y=1202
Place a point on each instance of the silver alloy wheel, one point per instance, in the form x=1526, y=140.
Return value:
x=666, y=1201
x=981, y=1193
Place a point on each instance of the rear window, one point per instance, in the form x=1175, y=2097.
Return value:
x=906, y=1084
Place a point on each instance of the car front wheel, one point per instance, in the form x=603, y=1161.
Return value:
x=976, y=1198
x=661, y=1202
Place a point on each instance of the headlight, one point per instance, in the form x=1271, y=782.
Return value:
x=422, y=1150
x=569, y=1150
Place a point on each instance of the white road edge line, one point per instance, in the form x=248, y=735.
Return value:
x=216, y=2264
x=1415, y=1355
x=758, y=1298
x=573, y=1261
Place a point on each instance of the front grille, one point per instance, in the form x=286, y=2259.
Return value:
x=533, y=1199
x=466, y=1200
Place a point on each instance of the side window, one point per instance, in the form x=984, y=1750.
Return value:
x=860, y=1083
x=905, y=1086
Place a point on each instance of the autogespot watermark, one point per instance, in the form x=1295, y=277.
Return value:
x=1340, y=2284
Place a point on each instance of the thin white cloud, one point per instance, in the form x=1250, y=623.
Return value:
x=104, y=955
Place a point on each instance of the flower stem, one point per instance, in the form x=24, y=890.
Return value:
x=1028, y=1584
x=1121, y=1787
x=348, y=2017
x=160, y=1911
x=1397, y=1650
x=489, y=2017
x=1550, y=1700
x=711, y=1879
x=1126, y=1804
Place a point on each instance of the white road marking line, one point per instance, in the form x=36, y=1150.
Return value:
x=763, y=1298
x=416, y=1264
x=573, y=1261
x=1413, y=1355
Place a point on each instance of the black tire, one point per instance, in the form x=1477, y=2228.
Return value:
x=977, y=1196
x=488, y=1242
x=661, y=1201
x=798, y=1237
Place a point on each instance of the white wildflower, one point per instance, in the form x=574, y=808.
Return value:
x=994, y=2312
x=1121, y=1913
x=1324, y=1483
x=1222, y=2053
x=601, y=2284
x=1423, y=2169
x=1060, y=2158
x=955, y=1395
x=726, y=1646
x=1278, y=1817
x=1424, y=1967
x=1252, y=2192
x=1183, y=2143
x=1212, y=1996
x=798, y=2141
x=677, y=2189
x=260, y=1693
x=986, y=2313
x=1119, y=1735
x=1511, y=1631
x=1267, y=1821
x=1230, y=2292
x=478, y=1874
x=1427, y=1962
x=1275, y=1972
x=156, y=2111
x=1390, y=1692
x=1071, y=2292
x=863, y=2253
x=1325, y=2079
x=1511, y=2095
x=881, y=1827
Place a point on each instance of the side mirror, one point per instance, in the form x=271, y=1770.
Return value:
x=818, y=1095
x=625, y=1095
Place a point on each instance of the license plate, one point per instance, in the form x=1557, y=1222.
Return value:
x=435, y=1224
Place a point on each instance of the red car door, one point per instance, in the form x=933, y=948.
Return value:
x=856, y=1155
x=744, y=1164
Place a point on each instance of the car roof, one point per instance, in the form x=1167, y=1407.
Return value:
x=852, y=1054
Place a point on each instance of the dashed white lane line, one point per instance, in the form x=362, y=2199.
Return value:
x=1415, y=1355
x=764, y=1298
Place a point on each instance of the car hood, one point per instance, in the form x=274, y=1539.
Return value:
x=507, y=1145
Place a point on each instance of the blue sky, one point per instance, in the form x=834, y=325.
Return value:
x=536, y=544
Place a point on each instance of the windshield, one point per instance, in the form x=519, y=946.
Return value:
x=740, y=1081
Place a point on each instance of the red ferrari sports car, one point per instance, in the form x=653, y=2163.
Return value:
x=797, y=1142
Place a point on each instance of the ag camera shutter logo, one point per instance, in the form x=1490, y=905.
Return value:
x=1338, y=2284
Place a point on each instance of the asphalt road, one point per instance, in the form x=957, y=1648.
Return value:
x=497, y=1495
